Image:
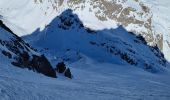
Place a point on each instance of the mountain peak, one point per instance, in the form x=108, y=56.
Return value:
x=67, y=32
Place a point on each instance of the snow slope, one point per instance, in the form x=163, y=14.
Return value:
x=91, y=81
x=101, y=61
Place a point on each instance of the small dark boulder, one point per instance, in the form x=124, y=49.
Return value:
x=67, y=73
x=60, y=67
x=8, y=54
x=24, y=59
x=17, y=64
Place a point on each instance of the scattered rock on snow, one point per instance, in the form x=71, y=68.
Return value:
x=68, y=74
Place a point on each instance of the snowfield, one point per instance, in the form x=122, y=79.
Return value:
x=108, y=63
x=92, y=81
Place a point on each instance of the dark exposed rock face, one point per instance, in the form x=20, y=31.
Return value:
x=7, y=54
x=61, y=67
x=69, y=21
x=4, y=27
x=22, y=54
x=67, y=73
x=42, y=65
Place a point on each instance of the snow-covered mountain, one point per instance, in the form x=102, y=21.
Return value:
x=112, y=47
x=145, y=17
x=93, y=78
x=69, y=38
x=20, y=54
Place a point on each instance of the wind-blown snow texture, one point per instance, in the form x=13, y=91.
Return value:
x=92, y=80
x=107, y=64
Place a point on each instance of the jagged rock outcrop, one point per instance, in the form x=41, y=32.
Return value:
x=68, y=74
x=21, y=54
x=61, y=68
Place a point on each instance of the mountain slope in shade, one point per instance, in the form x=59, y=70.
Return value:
x=93, y=79
x=67, y=36
x=144, y=17
x=20, y=54
x=107, y=61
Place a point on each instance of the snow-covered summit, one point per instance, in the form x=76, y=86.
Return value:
x=67, y=33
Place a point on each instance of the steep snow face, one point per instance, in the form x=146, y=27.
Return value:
x=139, y=16
x=66, y=33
